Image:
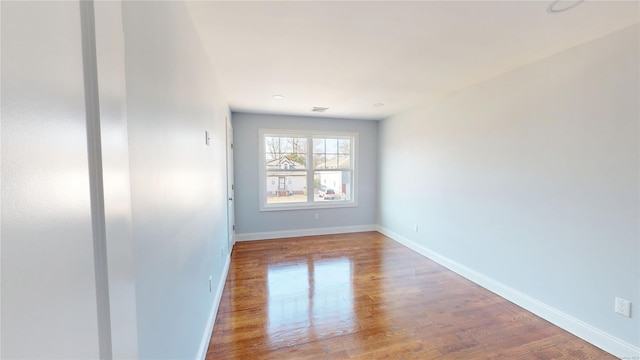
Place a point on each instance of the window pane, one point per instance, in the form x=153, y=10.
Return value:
x=344, y=146
x=332, y=145
x=332, y=186
x=332, y=161
x=285, y=153
x=319, y=161
x=286, y=187
x=318, y=146
x=344, y=161
x=332, y=153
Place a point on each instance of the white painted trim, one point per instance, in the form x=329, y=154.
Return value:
x=567, y=322
x=309, y=171
x=304, y=232
x=206, y=337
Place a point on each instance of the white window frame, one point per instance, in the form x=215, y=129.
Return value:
x=310, y=171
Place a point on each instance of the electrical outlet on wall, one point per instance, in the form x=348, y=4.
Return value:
x=623, y=307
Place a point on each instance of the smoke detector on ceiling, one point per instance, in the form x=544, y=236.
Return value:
x=319, y=109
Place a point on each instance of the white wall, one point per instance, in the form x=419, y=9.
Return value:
x=178, y=184
x=162, y=225
x=532, y=180
x=110, y=66
x=48, y=280
x=253, y=223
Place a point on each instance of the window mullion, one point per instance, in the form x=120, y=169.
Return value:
x=310, y=170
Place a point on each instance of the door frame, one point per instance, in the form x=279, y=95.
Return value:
x=230, y=184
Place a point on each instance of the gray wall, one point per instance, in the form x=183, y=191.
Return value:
x=250, y=220
x=178, y=184
x=531, y=179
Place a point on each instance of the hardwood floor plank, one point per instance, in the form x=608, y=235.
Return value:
x=363, y=296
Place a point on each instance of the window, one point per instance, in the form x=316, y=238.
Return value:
x=306, y=169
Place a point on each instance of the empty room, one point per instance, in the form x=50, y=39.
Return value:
x=320, y=179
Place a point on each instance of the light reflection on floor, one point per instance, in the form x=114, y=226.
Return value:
x=303, y=295
x=363, y=296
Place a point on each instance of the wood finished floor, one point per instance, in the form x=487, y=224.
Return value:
x=364, y=296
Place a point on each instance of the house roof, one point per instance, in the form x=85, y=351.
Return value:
x=341, y=162
x=279, y=163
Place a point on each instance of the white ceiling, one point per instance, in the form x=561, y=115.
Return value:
x=348, y=56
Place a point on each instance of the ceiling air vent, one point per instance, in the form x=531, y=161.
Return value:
x=319, y=109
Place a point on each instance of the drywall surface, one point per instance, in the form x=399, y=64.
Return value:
x=48, y=278
x=250, y=220
x=178, y=183
x=109, y=44
x=532, y=179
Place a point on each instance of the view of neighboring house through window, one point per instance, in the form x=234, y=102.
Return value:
x=286, y=165
x=306, y=169
x=332, y=165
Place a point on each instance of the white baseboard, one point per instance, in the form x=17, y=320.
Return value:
x=304, y=232
x=575, y=326
x=206, y=337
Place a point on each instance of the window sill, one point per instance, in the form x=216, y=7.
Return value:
x=308, y=206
